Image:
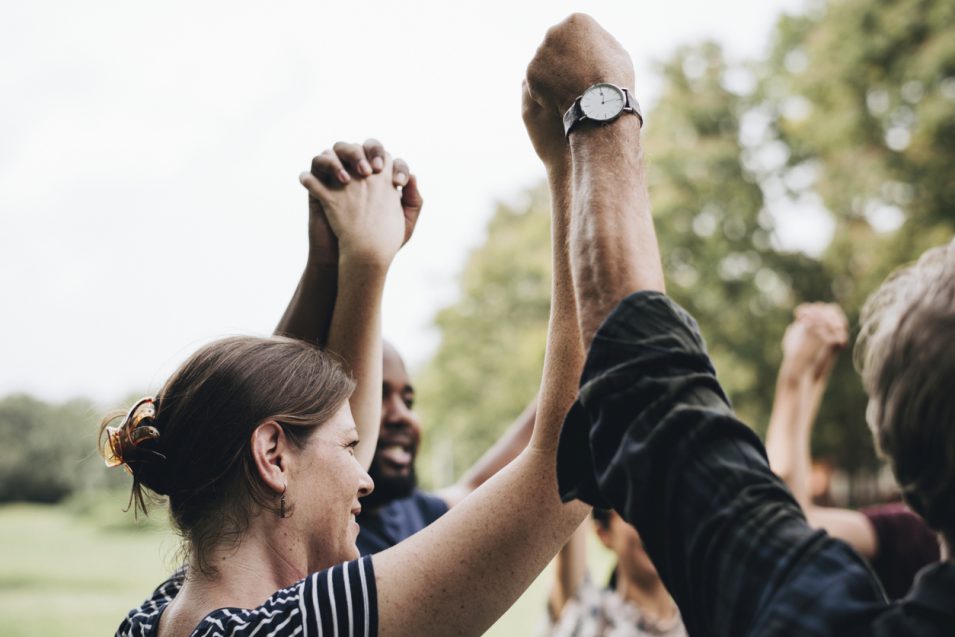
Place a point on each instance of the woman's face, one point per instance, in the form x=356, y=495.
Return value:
x=324, y=489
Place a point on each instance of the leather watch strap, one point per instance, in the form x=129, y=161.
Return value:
x=631, y=105
x=572, y=116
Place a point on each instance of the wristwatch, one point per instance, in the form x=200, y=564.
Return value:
x=602, y=102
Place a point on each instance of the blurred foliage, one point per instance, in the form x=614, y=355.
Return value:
x=860, y=94
x=48, y=451
x=488, y=366
x=852, y=115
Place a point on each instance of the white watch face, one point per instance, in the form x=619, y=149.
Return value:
x=602, y=102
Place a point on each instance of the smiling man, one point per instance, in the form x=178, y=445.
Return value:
x=397, y=508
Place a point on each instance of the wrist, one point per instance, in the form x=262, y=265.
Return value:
x=589, y=137
x=322, y=256
x=791, y=375
x=364, y=261
x=559, y=172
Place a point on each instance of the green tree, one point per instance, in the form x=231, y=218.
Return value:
x=852, y=114
x=47, y=451
x=861, y=94
x=488, y=365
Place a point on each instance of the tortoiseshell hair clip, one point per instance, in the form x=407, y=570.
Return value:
x=123, y=442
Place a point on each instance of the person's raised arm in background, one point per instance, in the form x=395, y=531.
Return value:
x=337, y=303
x=810, y=345
x=895, y=540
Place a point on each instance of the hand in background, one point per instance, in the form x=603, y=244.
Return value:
x=576, y=54
x=812, y=340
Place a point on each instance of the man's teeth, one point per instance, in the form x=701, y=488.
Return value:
x=396, y=454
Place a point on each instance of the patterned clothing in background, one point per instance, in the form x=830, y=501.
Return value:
x=601, y=612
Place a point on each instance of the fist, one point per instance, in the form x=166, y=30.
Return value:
x=812, y=340
x=546, y=132
x=576, y=54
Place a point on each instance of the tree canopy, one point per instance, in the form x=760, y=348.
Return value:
x=849, y=119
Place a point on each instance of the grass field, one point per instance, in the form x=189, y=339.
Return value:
x=77, y=569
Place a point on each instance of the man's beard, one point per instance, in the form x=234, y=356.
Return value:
x=390, y=487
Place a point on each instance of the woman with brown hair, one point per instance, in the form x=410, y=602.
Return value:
x=254, y=444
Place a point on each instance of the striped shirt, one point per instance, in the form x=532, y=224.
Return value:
x=339, y=602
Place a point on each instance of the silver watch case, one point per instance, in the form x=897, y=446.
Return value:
x=576, y=114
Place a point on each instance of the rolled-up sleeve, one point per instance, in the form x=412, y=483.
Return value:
x=653, y=436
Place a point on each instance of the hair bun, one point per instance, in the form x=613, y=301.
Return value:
x=133, y=441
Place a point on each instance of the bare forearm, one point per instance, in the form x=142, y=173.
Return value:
x=787, y=445
x=309, y=313
x=613, y=244
x=564, y=355
x=355, y=335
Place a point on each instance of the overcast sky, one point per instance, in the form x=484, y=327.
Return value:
x=149, y=155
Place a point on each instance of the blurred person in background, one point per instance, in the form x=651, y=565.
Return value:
x=397, y=508
x=895, y=540
x=634, y=603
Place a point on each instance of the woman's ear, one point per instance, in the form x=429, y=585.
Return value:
x=270, y=450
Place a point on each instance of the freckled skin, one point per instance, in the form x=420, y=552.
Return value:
x=324, y=515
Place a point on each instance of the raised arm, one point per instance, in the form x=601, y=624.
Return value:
x=809, y=350
x=462, y=572
x=371, y=221
x=666, y=451
x=613, y=248
x=309, y=312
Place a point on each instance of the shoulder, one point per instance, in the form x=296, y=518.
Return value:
x=341, y=600
x=141, y=619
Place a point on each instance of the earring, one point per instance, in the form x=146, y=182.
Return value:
x=282, y=513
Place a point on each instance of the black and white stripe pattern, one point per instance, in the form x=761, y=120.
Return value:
x=338, y=602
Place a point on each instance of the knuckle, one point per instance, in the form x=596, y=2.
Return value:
x=344, y=149
x=324, y=162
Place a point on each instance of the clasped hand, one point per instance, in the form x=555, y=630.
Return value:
x=357, y=211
